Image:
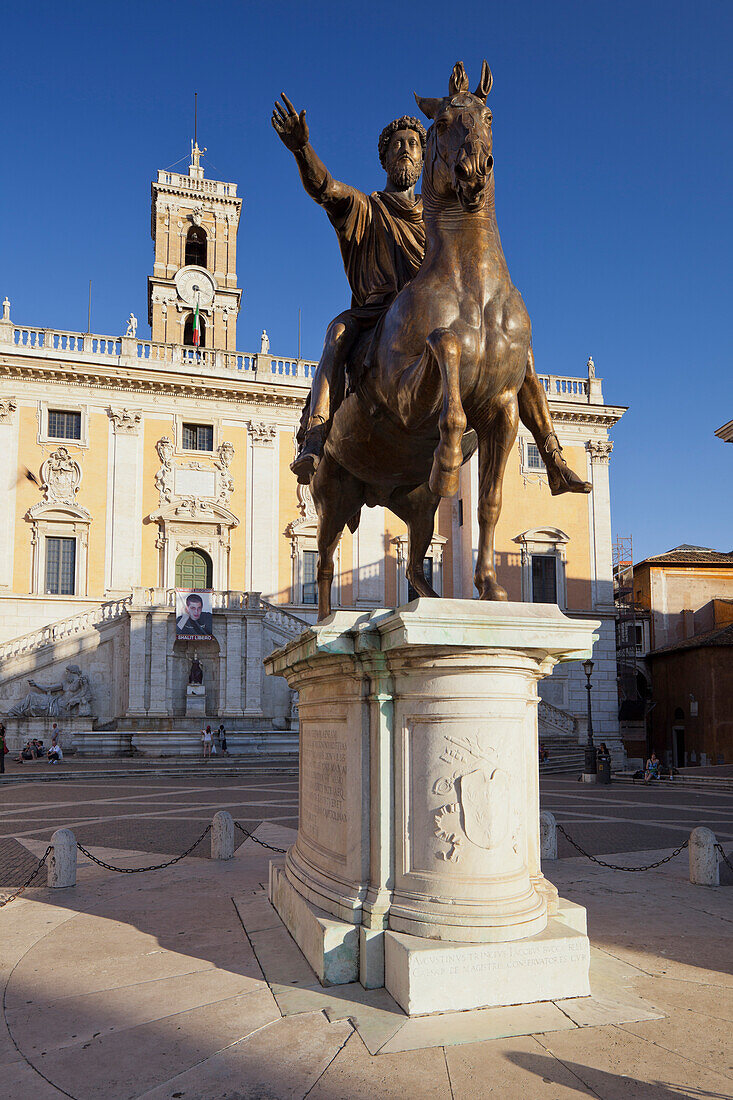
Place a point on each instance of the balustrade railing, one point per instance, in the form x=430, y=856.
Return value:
x=259, y=367
x=64, y=628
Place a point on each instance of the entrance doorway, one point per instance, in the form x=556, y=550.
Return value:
x=678, y=746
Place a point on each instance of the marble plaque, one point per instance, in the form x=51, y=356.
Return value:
x=195, y=483
x=323, y=806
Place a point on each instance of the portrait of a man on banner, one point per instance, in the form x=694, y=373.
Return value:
x=194, y=618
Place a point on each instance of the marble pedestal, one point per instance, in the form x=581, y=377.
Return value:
x=417, y=861
x=195, y=701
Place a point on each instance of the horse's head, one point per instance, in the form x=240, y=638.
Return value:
x=458, y=153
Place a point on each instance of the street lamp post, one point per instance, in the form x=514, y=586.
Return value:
x=590, y=768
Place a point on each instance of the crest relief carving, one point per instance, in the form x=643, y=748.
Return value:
x=60, y=477
x=481, y=810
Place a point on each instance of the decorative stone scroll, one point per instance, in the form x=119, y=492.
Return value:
x=8, y=405
x=225, y=479
x=60, y=477
x=164, y=476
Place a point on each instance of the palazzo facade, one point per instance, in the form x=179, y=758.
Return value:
x=135, y=466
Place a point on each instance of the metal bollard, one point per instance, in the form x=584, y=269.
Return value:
x=704, y=859
x=548, y=835
x=62, y=860
x=222, y=835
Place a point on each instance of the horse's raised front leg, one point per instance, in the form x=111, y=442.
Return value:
x=417, y=507
x=338, y=496
x=496, y=438
x=445, y=348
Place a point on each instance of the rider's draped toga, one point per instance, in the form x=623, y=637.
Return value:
x=382, y=241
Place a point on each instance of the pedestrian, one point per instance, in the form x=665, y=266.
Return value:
x=213, y=741
x=206, y=739
x=223, y=739
x=652, y=769
x=3, y=749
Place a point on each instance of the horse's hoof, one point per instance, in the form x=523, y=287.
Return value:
x=492, y=590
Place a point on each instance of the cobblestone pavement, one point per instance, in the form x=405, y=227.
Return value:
x=166, y=815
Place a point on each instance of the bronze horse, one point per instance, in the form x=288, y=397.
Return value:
x=445, y=366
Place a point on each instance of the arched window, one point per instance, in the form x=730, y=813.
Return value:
x=188, y=331
x=193, y=569
x=196, y=246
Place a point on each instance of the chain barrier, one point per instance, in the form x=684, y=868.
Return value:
x=251, y=836
x=29, y=880
x=152, y=867
x=724, y=856
x=618, y=866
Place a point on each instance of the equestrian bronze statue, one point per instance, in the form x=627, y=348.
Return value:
x=437, y=343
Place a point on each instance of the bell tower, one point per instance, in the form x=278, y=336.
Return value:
x=194, y=224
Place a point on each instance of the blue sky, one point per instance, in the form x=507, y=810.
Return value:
x=613, y=170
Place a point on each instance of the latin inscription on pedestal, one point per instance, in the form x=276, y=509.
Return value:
x=323, y=807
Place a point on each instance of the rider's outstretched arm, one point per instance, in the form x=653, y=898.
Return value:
x=292, y=130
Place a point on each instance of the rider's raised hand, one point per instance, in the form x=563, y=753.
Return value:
x=290, y=126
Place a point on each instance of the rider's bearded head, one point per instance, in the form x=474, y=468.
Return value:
x=401, y=151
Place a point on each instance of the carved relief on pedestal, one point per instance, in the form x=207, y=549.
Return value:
x=164, y=476
x=262, y=434
x=125, y=421
x=8, y=405
x=483, y=811
x=599, y=450
x=60, y=477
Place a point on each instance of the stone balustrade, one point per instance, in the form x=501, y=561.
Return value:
x=129, y=351
x=64, y=628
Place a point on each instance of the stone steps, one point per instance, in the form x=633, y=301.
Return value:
x=570, y=760
x=260, y=767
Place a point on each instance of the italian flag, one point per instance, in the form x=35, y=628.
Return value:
x=196, y=325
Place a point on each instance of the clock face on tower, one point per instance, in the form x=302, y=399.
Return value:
x=195, y=282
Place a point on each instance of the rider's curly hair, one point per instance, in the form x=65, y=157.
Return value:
x=407, y=122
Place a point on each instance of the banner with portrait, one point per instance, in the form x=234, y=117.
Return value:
x=194, y=618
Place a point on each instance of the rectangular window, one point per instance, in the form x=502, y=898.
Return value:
x=64, y=425
x=60, y=566
x=310, y=585
x=639, y=637
x=533, y=457
x=544, y=578
x=198, y=437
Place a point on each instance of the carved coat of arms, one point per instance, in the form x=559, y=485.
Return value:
x=483, y=811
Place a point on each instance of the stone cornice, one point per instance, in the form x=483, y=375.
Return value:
x=130, y=380
x=138, y=379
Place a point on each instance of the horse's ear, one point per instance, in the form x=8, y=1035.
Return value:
x=484, y=84
x=429, y=107
x=458, y=80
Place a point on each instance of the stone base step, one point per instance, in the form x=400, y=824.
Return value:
x=263, y=767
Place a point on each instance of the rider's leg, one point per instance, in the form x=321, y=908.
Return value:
x=534, y=412
x=340, y=337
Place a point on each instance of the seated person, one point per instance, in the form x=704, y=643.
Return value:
x=653, y=768
x=26, y=753
x=55, y=754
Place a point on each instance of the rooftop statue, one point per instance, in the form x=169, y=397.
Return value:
x=436, y=345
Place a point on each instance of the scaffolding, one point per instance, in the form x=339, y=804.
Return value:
x=627, y=626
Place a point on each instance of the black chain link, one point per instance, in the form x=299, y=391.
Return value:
x=152, y=867
x=29, y=880
x=618, y=866
x=251, y=836
x=725, y=858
